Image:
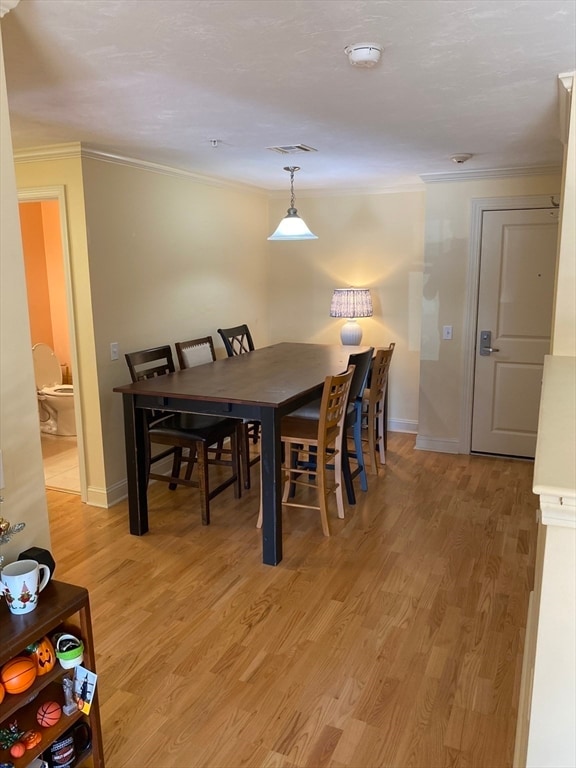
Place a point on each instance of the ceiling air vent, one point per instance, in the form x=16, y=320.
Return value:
x=292, y=149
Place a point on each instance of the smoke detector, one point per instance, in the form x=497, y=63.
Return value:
x=459, y=159
x=363, y=54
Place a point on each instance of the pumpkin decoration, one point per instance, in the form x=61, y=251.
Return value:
x=43, y=654
x=31, y=739
x=2, y=693
x=18, y=674
x=17, y=749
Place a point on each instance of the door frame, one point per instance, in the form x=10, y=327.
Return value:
x=479, y=205
x=38, y=195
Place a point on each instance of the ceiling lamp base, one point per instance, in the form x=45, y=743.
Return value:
x=351, y=333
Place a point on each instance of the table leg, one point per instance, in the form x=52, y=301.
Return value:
x=270, y=451
x=136, y=451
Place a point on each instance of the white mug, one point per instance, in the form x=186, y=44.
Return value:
x=20, y=584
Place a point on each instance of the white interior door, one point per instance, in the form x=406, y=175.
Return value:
x=514, y=321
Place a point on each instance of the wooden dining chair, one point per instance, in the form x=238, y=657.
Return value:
x=238, y=341
x=352, y=423
x=318, y=442
x=374, y=408
x=201, y=435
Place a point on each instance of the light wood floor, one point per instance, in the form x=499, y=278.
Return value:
x=396, y=642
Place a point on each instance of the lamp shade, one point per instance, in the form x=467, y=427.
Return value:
x=351, y=303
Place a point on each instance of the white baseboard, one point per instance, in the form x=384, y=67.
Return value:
x=403, y=425
x=439, y=445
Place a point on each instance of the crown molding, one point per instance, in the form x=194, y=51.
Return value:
x=84, y=151
x=393, y=189
x=6, y=6
x=491, y=173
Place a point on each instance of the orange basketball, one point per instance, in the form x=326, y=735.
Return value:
x=48, y=714
x=18, y=674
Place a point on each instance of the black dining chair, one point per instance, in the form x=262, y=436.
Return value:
x=203, y=436
x=375, y=401
x=238, y=341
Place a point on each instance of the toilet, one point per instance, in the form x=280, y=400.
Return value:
x=55, y=400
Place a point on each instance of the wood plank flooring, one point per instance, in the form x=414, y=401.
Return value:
x=396, y=642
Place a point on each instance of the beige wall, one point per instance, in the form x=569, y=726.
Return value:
x=372, y=241
x=447, y=257
x=24, y=495
x=170, y=259
x=564, y=324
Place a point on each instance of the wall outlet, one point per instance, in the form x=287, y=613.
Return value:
x=114, y=350
x=447, y=332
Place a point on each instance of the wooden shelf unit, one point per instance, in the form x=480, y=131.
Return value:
x=60, y=606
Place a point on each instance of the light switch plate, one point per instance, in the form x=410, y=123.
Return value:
x=447, y=332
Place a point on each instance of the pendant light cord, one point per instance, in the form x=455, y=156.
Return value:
x=292, y=169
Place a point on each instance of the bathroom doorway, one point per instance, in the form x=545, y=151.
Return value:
x=46, y=261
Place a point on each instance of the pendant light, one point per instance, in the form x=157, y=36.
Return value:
x=292, y=227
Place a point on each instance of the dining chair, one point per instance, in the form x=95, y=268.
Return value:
x=374, y=407
x=197, y=352
x=352, y=422
x=238, y=341
x=179, y=431
x=320, y=442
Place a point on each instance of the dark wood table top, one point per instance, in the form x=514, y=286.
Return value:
x=269, y=376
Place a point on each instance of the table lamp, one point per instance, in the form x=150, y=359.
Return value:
x=351, y=303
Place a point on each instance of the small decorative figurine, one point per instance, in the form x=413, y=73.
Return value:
x=10, y=735
x=69, y=704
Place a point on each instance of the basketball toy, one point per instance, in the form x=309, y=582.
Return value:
x=48, y=714
x=18, y=674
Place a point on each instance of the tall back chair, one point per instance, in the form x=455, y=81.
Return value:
x=374, y=403
x=178, y=431
x=195, y=352
x=317, y=443
x=361, y=362
x=237, y=340
x=353, y=421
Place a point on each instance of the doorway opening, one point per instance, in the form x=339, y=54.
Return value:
x=46, y=261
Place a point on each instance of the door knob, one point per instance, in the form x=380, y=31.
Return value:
x=485, y=342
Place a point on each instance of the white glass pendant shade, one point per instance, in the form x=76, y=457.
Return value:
x=292, y=227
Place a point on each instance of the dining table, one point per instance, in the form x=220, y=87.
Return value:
x=262, y=385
